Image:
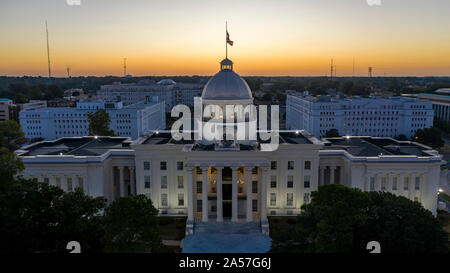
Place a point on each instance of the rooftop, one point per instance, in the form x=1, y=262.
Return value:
x=76, y=146
x=376, y=146
x=286, y=137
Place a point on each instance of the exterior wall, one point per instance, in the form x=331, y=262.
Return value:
x=181, y=93
x=358, y=116
x=52, y=123
x=441, y=105
x=359, y=175
x=155, y=154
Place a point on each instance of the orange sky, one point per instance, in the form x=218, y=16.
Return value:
x=172, y=37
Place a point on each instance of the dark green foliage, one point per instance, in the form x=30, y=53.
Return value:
x=99, y=123
x=342, y=219
x=131, y=225
x=37, y=217
x=429, y=136
x=332, y=133
x=11, y=135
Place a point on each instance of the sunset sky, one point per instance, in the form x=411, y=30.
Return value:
x=186, y=37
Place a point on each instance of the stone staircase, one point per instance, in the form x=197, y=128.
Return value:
x=227, y=227
x=226, y=237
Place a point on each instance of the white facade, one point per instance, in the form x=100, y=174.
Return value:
x=5, y=105
x=168, y=91
x=358, y=116
x=129, y=121
x=441, y=104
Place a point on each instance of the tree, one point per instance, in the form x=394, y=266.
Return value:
x=332, y=133
x=37, y=217
x=131, y=225
x=401, y=138
x=401, y=225
x=11, y=135
x=429, y=136
x=99, y=123
x=342, y=219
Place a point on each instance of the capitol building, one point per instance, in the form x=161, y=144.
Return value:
x=232, y=180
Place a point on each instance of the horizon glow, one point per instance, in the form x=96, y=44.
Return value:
x=271, y=38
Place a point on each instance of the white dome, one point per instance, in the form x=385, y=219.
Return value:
x=226, y=85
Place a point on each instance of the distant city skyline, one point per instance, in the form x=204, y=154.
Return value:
x=271, y=38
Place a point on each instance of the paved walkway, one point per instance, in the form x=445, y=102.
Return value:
x=226, y=237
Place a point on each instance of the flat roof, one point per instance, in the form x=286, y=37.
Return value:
x=375, y=146
x=76, y=146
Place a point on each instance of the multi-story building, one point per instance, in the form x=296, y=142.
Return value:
x=236, y=180
x=441, y=104
x=8, y=110
x=167, y=90
x=380, y=117
x=130, y=121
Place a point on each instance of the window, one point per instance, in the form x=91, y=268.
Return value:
x=273, y=199
x=46, y=180
x=146, y=166
x=199, y=205
x=383, y=183
x=58, y=182
x=180, y=199
x=163, y=182
x=290, y=165
x=372, y=183
x=147, y=182
x=307, y=165
x=179, y=165
x=69, y=184
x=394, y=183
x=290, y=181
x=255, y=205
x=180, y=182
x=255, y=170
x=163, y=165
x=199, y=186
x=273, y=181
x=406, y=184
x=273, y=165
x=306, y=181
x=306, y=197
x=289, y=199
x=80, y=183
x=416, y=199
x=254, y=186
x=417, y=184
x=164, y=199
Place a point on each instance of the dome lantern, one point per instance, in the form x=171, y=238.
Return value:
x=226, y=64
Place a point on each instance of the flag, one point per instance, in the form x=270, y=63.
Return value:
x=228, y=40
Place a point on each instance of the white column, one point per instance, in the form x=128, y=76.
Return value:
x=249, y=194
x=389, y=182
x=190, y=197
x=219, y=195
x=322, y=176
x=132, y=181
x=264, y=195
x=412, y=186
x=205, y=195
x=332, y=172
x=121, y=181
x=378, y=182
x=234, y=197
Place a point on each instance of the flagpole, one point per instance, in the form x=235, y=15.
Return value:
x=226, y=42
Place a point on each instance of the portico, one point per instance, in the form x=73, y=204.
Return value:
x=227, y=191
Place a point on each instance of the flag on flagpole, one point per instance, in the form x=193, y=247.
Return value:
x=228, y=40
